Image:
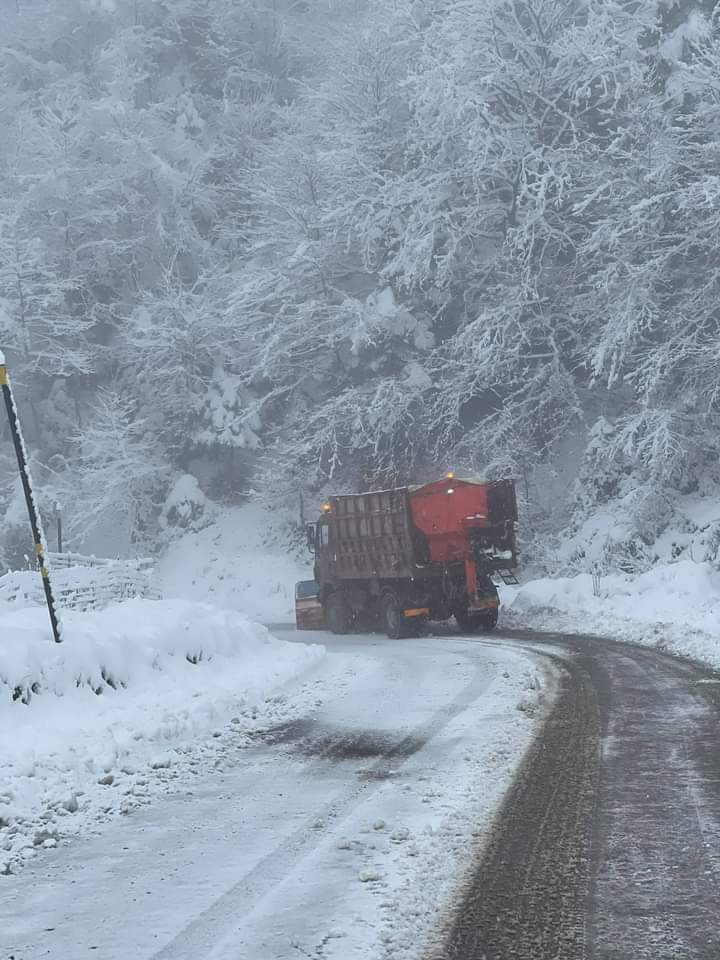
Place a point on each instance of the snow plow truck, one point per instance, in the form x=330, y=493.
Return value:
x=398, y=558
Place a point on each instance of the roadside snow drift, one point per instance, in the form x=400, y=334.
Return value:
x=675, y=606
x=133, y=687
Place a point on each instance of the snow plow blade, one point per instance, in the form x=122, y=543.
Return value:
x=309, y=613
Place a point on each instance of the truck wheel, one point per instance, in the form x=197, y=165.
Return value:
x=392, y=617
x=336, y=614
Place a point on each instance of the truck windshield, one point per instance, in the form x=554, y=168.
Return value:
x=306, y=589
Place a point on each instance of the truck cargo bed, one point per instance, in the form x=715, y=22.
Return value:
x=372, y=535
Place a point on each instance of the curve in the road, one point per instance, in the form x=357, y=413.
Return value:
x=608, y=843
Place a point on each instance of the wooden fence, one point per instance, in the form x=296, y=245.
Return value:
x=83, y=582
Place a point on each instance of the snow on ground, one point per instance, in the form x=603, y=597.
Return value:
x=675, y=606
x=274, y=850
x=102, y=720
x=405, y=854
x=240, y=561
x=346, y=834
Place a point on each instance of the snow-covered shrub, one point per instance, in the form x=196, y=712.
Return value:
x=712, y=544
x=651, y=512
x=16, y=547
x=620, y=507
x=186, y=507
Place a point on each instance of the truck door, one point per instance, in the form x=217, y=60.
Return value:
x=323, y=557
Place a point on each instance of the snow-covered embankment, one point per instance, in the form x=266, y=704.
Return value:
x=675, y=606
x=135, y=689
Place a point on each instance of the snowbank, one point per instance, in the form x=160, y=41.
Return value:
x=138, y=686
x=243, y=560
x=675, y=606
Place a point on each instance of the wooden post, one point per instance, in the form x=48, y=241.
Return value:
x=58, y=520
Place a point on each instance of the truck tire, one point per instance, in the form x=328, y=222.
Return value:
x=337, y=615
x=392, y=618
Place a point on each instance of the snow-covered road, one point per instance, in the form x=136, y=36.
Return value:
x=340, y=833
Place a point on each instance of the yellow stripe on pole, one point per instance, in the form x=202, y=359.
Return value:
x=38, y=549
x=44, y=573
x=3, y=375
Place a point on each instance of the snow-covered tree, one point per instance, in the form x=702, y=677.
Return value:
x=120, y=480
x=363, y=241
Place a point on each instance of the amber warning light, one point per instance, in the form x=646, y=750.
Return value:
x=326, y=508
x=450, y=475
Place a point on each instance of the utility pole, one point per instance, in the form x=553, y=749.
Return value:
x=58, y=520
x=35, y=523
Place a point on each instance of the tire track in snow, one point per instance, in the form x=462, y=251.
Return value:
x=230, y=912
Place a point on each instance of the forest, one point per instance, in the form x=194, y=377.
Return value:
x=286, y=246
